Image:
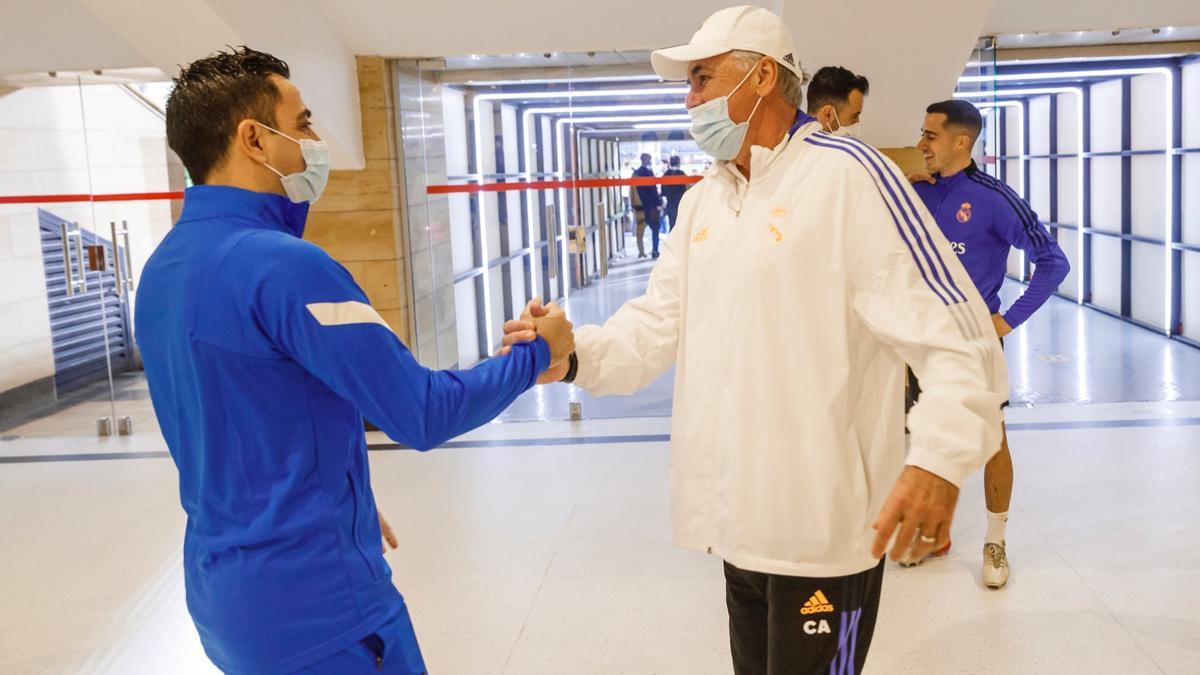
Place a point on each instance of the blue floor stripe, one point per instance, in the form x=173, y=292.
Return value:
x=603, y=440
x=82, y=457
x=534, y=442
x=1105, y=424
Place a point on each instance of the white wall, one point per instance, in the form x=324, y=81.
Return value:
x=1068, y=168
x=1015, y=172
x=1039, y=144
x=1106, y=273
x=1190, y=311
x=490, y=208
x=1068, y=241
x=1039, y=125
x=1149, y=182
x=512, y=203
x=1069, y=189
x=1191, y=162
x=461, y=238
x=1190, y=314
x=26, y=353
x=546, y=143
x=1106, y=195
x=1149, y=131
x=1106, y=171
x=1148, y=284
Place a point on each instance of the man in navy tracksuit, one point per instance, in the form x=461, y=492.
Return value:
x=651, y=204
x=983, y=219
x=673, y=194
x=263, y=356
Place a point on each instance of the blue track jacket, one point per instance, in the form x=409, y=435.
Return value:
x=984, y=218
x=263, y=356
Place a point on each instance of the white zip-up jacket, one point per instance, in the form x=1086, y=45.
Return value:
x=789, y=305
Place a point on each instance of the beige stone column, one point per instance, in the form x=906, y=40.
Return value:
x=359, y=220
x=908, y=159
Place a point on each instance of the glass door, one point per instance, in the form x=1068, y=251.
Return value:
x=88, y=192
x=135, y=183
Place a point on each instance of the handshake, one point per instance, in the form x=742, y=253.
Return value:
x=550, y=323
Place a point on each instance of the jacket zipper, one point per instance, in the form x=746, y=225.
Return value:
x=354, y=528
x=712, y=455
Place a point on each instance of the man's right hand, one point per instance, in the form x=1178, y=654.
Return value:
x=917, y=514
x=922, y=177
x=557, y=331
x=551, y=324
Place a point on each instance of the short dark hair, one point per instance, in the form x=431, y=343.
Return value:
x=832, y=85
x=960, y=114
x=212, y=96
x=675, y=161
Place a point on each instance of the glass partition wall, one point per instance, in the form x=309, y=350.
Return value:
x=517, y=172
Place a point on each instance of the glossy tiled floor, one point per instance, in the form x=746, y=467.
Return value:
x=544, y=547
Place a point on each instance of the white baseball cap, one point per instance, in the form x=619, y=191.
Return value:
x=744, y=28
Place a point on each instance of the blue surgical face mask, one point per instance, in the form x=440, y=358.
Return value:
x=307, y=185
x=714, y=131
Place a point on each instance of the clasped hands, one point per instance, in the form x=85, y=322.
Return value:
x=550, y=323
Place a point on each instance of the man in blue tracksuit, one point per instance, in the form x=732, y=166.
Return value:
x=263, y=356
x=983, y=219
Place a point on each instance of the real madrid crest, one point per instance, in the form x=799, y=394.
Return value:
x=964, y=212
x=776, y=225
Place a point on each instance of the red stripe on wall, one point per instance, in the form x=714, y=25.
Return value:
x=582, y=183
x=115, y=197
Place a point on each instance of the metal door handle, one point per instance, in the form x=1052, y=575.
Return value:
x=66, y=250
x=112, y=224
x=79, y=254
x=123, y=283
x=128, y=255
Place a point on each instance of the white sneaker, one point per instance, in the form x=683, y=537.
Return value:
x=995, y=566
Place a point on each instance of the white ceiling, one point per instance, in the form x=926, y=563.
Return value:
x=423, y=29
x=59, y=35
x=549, y=59
x=911, y=50
x=1083, y=38
x=68, y=35
x=1040, y=16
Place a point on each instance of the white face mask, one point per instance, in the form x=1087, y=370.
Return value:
x=714, y=131
x=852, y=131
x=307, y=185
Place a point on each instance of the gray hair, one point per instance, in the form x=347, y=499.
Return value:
x=789, y=84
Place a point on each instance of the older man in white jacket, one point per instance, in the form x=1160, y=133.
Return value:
x=804, y=274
